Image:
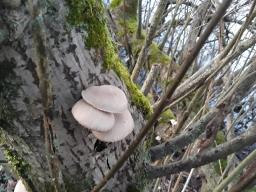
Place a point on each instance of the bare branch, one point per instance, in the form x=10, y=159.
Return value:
x=153, y=73
x=236, y=171
x=205, y=157
x=138, y=32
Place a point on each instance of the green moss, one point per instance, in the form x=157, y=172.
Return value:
x=88, y=14
x=128, y=26
x=115, y=3
x=113, y=62
x=157, y=56
x=166, y=116
x=137, y=45
x=124, y=8
x=130, y=9
x=17, y=163
x=220, y=137
x=217, y=167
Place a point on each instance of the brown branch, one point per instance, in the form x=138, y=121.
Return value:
x=152, y=75
x=152, y=30
x=138, y=32
x=205, y=157
x=186, y=113
x=247, y=178
x=183, y=69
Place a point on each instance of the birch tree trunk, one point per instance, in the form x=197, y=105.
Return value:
x=44, y=66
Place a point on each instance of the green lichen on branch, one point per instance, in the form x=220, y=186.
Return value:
x=115, y=3
x=220, y=165
x=129, y=26
x=16, y=162
x=166, y=116
x=19, y=166
x=12, y=146
x=89, y=15
x=155, y=55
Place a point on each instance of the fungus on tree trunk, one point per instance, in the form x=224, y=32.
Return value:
x=104, y=110
x=20, y=187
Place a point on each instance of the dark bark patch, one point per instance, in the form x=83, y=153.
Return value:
x=71, y=48
x=9, y=85
x=70, y=76
x=64, y=119
x=99, y=146
x=81, y=153
x=31, y=66
x=108, y=164
x=75, y=155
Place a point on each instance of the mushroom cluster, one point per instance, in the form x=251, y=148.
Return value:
x=20, y=187
x=104, y=110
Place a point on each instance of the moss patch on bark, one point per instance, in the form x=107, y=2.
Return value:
x=89, y=15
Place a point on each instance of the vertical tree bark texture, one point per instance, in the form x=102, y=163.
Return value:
x=44, y=66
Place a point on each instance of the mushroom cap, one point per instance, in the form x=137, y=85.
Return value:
x=92, y=118
x=106, y=98
x=20, y=187
x=123, y=126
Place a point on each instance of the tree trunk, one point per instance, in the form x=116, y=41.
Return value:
x=44, y=67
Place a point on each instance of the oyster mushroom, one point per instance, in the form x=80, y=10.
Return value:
x=123, y=126
x=20, y=187
x=107, y=98
x=92, y=118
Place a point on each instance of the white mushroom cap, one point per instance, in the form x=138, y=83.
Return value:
x=92, y=118
x=123, y=126
x=20, y=187
x=106, y=98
